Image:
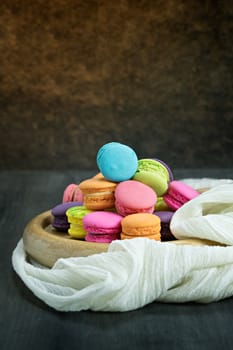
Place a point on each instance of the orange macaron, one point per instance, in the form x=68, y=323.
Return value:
x=98, y=193
x=141, y=225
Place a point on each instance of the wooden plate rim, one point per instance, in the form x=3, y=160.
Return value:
x=45, y=245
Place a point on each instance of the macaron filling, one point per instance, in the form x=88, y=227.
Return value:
x=127, y=211
x=60, y=223
x=77, y=231
x=102, y=230
x=101, y=200
x=101, y=238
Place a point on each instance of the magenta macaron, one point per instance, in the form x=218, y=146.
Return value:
x=178, y=194
x=102, y=226
x=133, y=197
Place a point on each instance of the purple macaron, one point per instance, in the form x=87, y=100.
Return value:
x=165, y=217
x=60, y=221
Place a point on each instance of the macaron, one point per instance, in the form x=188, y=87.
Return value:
x=75, y=217
x=98, y=176
x=161, y=205
x=60, y=221
x=134, y=197
x=170, y=173
x=102, y=226
x=165, y=219
x=72, y=193
x=116, y=161
x=154, y=174
x=98, y=193
x=141, y=225
x=178, y=194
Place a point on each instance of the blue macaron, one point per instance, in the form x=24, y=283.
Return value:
x=117, y=162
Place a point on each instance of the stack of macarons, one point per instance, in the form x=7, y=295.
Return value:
x=127, y=198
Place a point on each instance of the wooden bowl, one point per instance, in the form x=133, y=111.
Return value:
x=45, y=245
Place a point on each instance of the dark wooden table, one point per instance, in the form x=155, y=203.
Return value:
x=27, y=323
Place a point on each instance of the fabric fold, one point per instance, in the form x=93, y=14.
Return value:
x=130, y=275
x=208, y=216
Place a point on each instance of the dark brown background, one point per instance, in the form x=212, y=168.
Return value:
x=156, y=75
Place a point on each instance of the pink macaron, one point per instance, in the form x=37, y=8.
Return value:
x=72, y=193
x=133, y=197
x=178, y=194
x=102, y=226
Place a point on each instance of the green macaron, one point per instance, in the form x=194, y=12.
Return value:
x=153, y=174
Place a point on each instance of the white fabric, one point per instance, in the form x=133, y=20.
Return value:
x=208, y=216
x=136, y=272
